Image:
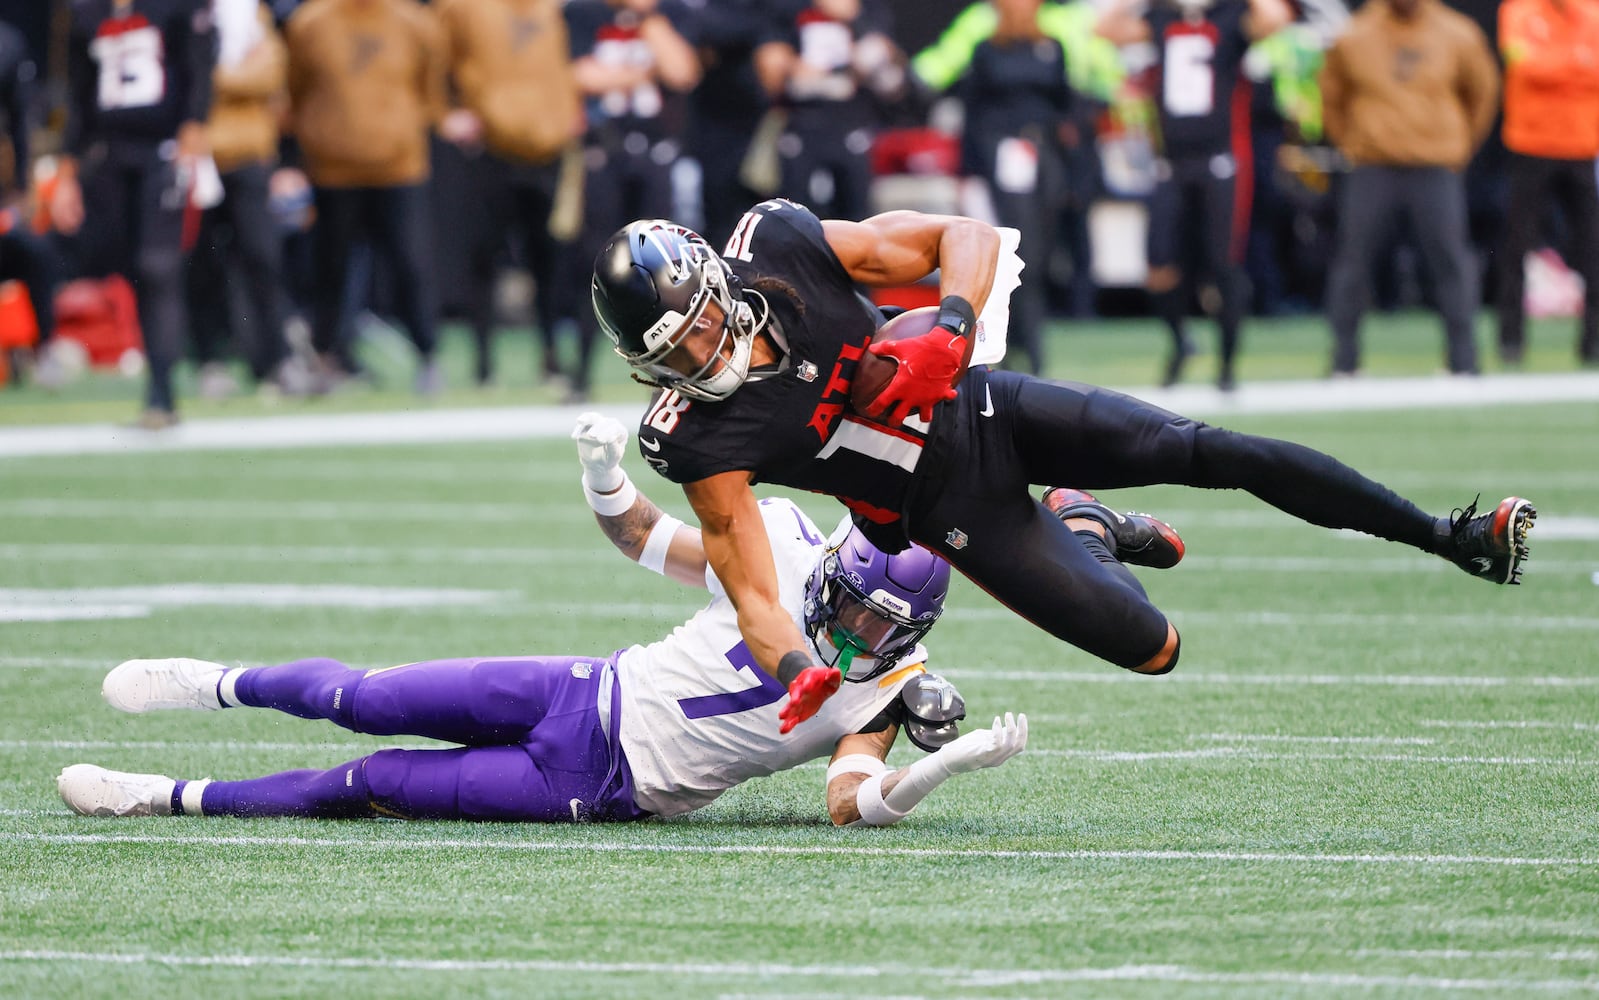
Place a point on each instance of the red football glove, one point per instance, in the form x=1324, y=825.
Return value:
x=927, y=365
x=813, y=686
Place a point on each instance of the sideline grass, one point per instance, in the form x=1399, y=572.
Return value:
x=1115, y=352
x=1370, y=776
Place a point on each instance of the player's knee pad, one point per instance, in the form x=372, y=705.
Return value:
x=1170, y=664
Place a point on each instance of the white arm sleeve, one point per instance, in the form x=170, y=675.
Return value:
x=983, y=748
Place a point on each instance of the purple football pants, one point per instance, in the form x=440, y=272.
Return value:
x=536, y=746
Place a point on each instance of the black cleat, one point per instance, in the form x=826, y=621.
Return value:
x=1491, y=546
x=1140, y=539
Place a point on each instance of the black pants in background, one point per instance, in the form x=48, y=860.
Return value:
x=29, y=258
x=1030, y=204
x=1434, y=200
x=136, y=214
x=239, y=250
x=510, y=199
x=394, y=221
x=626, y=176
x=1535, y=182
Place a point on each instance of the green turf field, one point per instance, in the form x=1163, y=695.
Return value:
x=1370, y=776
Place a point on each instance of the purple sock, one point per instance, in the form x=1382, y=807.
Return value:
x=311, y=689
x=337, y=793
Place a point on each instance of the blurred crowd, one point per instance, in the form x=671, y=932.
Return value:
x=255, y=187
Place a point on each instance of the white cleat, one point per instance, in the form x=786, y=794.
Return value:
x=91, y=790
x=139, y=686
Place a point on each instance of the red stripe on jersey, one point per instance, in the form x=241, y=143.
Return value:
x=874, y=514
x=1244, y=167
x=881, y=428
x=121, y=25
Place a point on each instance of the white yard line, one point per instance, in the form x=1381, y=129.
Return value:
x=255, y=511
x=934, y=854
x=897, y=975
x=380, y=554
x=525, y=422
x=1248, y=754
x=1113, y=676
x=156, y=552
x=1095, y=755
x=1581, y=727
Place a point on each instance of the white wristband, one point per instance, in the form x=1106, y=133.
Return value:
x=869, y=803
x=855, y=763
x=660, y=539
x=612, y=504
x=917, y=780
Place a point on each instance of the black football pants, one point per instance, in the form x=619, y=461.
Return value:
x=980, y=514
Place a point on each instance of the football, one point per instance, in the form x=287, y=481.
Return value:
x=873, y=373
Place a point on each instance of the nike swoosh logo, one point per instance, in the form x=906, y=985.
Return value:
x=1484, y=564
x=650, y=443
x=988, y=402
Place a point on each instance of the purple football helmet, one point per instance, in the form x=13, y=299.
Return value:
x=862, y=599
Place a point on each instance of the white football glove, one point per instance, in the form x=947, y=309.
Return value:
x=986, y=747
x=983, y=748
x=600, y=441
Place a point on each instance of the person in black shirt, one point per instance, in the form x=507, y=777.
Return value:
x=1012, y=78
x=141, y=92
x=634, y=61
x=1203, y=174
x=23, y=256
x=827, y=63
x=754, y=352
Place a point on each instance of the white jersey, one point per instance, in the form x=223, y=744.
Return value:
x=698, y=716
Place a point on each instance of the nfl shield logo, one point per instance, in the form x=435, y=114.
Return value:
x=807, y=371
x=956, y=539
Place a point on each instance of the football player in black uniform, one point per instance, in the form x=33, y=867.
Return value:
x=1203, y=174
x=141, y=92
x=754, y=350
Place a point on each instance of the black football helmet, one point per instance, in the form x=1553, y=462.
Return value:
x=651, y=282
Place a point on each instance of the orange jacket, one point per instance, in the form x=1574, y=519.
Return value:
x=1551, y=55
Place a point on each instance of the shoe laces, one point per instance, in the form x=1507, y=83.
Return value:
x=1464, y=527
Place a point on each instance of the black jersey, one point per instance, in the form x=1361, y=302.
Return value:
x=139, y=70
x=795, y=427
x=1200, y=94
x=611, y=35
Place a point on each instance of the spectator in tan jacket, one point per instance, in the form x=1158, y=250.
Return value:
x=366, y=85
x=238, y=240
x=1551, y=50
x=1409, y=92
x=516, y=109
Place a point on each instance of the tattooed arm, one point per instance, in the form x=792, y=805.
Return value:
x=657, y=540
x=634, y=524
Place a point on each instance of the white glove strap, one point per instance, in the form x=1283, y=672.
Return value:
x=612, y=504
x=660, y=539
x=869, y=802
x=914, y=784
x=855, y=763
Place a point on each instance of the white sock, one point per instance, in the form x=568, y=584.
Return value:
x=225, y=693
x=190, y=799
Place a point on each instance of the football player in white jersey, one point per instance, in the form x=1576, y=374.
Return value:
x=650, y=730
